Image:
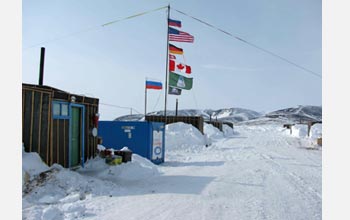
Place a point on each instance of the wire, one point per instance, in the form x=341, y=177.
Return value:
x=157, y=101
x=117, y=106
x=194, y=97
x=93, y=28
x=253, y=45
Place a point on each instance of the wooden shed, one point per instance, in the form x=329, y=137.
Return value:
x=61, y=127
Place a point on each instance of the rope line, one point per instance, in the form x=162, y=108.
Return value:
x=133, y=16
x=117, y=106
x=93, y=28
x=253, y=45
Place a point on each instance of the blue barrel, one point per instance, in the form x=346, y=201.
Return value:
x=146, y=139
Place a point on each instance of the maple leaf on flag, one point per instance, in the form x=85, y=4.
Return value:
x=174, y=66
x=180, y=66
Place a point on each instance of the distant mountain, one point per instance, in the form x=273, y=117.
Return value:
x=136, y=117
x=234, y=114
x=230, y=114
x=297, y=114
x=241, y=115
x=184, y=112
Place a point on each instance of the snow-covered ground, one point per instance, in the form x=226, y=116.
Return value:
x=251, y=172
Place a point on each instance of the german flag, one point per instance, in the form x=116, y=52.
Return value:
x=175, y=50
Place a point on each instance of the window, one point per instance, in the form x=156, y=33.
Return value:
x=64, y=109
x=60, y=109
x=56, y=109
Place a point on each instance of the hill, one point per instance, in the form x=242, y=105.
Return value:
x=241, y=115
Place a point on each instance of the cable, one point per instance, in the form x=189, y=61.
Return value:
x=93, y=28
x=157, y=101
x=253, y=45
x=117, y=106
x=194, y=97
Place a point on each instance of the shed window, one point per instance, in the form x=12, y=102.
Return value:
x=60, y=109
x=56, y=109
x=64, y=109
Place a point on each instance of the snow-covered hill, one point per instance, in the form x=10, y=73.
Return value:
x=297, y=114
x=300, y=113
x=228, y=114
x=235, y=114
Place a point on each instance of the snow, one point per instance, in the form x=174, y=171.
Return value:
x=255, y=171
x=181, y=135
x=316, y=131
x=299, y=130
x=32, y=163
x=212, y=132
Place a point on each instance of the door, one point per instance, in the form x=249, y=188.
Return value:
x=76, y=142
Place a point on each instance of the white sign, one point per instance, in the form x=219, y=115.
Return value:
x=157, y=145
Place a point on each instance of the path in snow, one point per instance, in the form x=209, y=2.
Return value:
x=259, y=173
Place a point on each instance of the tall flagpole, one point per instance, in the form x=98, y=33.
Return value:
x=167, y=63
x=145, y=99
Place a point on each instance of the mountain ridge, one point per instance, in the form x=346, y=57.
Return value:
x=236, y=114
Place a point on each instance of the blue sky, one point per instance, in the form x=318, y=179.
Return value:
x=112, y=62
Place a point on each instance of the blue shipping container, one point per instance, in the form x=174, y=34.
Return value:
x=146, y=139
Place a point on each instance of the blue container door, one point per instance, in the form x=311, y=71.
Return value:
x=157, y=134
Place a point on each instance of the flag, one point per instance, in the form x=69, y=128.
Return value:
x=175, y=50
x=181, y=82
x=174, y=91
x=172, y=56
x=153, y=85
x=180, y=36
x=173, y=66
x=174, y=23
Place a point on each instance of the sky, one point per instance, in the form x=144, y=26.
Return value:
x=112, y=62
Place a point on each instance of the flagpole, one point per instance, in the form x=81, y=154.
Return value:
x=167, y=63
x=145, y=100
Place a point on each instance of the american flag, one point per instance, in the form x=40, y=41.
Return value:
x=180, y=36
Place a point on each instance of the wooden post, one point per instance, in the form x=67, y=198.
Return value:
x=41, y=70
x=177, y=104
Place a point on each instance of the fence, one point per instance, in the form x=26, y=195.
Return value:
x=196, y=121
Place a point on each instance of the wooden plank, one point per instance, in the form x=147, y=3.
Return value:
x=23, y=107
x=61, y=148
x=31, y=123
x=36, y=123
x=27, y=120
x=64, y=143
x=44, y=134
x=58, y=142
x=50, y=128
x=40, y=111
x=87, y=136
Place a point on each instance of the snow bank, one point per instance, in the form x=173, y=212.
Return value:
x=138, y=168
x=299, y=130
x=227, y=130
x=212, y=132
x=180, y=135
x=32, y=165
x=316, y=131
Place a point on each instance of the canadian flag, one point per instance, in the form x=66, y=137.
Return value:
x=173, y=66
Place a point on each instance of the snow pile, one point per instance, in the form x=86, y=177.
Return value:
x=227, y=130
x=316, y=131
x=299, y=130
x=32, y=165
x=138, y=168
x=180, y=135
x=212, y=132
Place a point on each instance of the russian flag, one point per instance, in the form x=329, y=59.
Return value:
x=174, y=23
x=153, y=85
